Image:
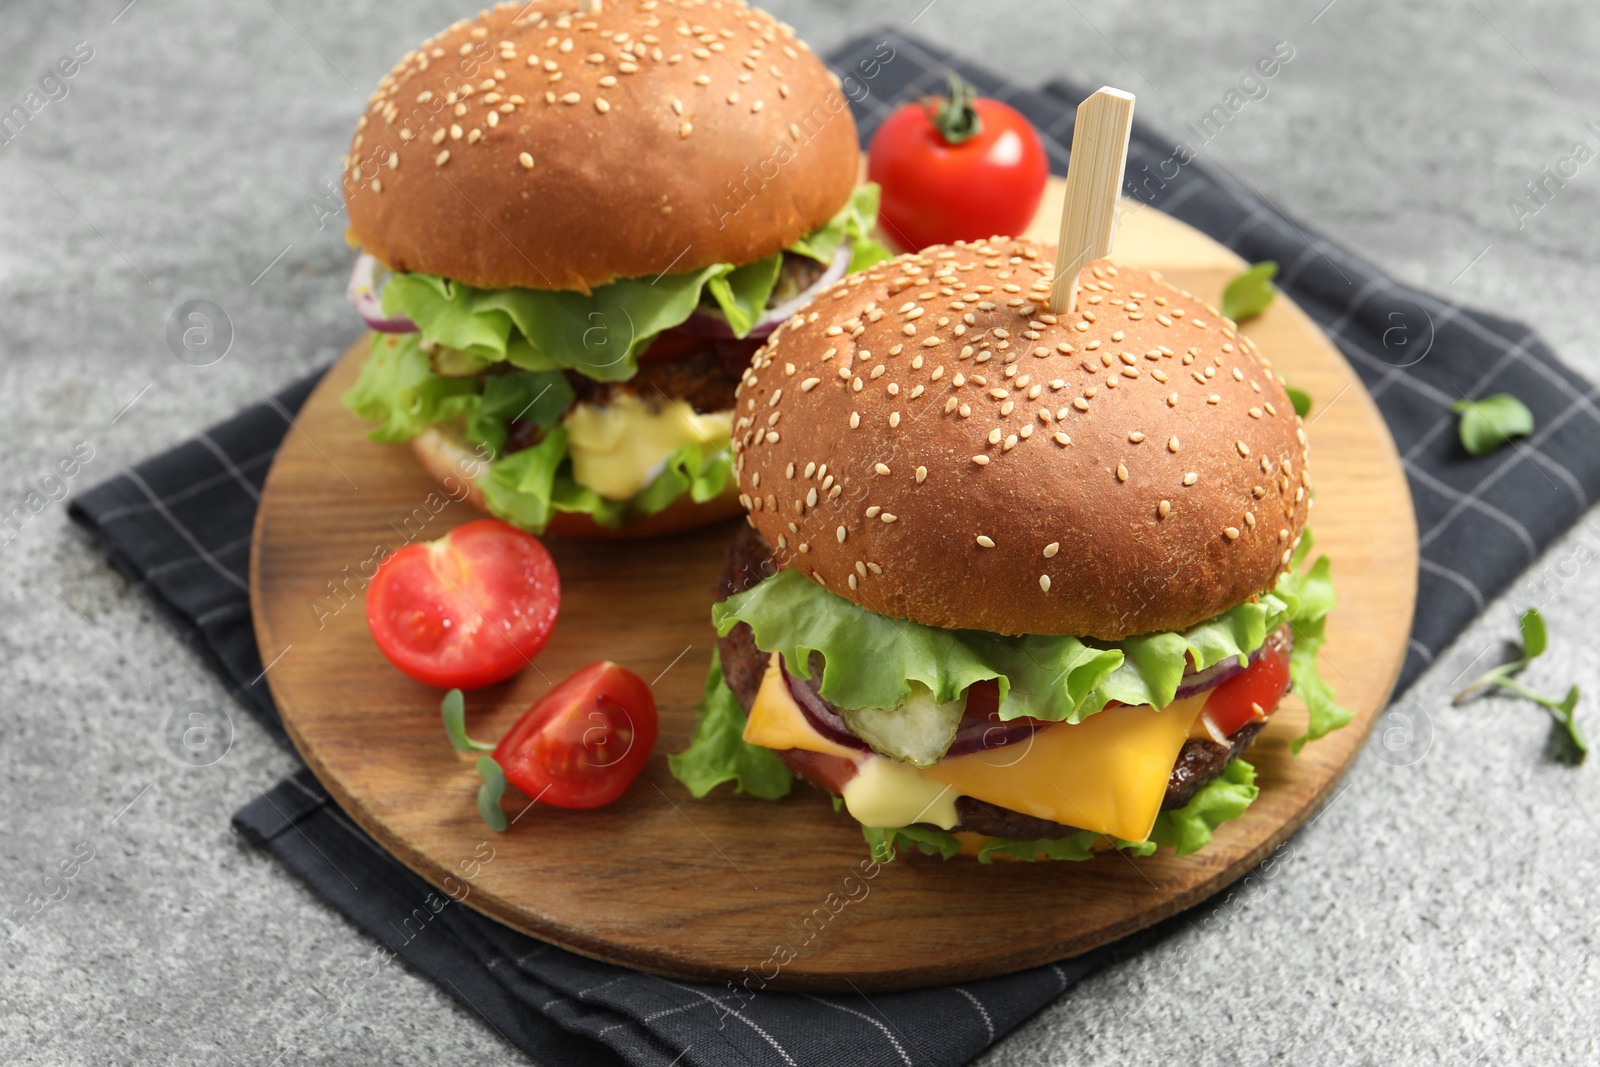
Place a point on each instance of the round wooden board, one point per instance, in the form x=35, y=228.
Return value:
x=704, y=889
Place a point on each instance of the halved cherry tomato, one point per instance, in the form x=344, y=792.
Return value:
x=675, y=344
x=585, y=741
x=942, y=182
x=1252, y=694
x=468, y=610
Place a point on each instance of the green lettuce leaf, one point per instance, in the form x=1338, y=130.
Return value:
x=718, y=753
x=601, y=333
x=598, y=334
x=869, y=660
x=398, y=390
x=855, y=222
x=743, y=293
x=1184, y=830
x=528, y=487
x=1310, y=596
x=1225, y=797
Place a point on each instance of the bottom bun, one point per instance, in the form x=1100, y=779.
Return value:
x=448, y=459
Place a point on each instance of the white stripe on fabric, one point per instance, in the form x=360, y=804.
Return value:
x=751, y=1023
x=1429, y=566
x=864, y=1016
x=227, y=463
x=983, y=1012
x=1472, y=501
x=134, y=476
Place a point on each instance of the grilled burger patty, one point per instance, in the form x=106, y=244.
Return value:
x=750, y=561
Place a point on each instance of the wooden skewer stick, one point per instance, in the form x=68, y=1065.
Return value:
x=1094, y=183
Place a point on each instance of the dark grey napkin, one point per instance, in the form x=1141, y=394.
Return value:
x=179, y=524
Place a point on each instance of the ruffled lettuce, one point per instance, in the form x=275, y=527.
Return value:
x=870, y=660
x=718, y=752
x=399, y=390
x=854, y=222
x=601, y=333
x=528, y=487
x=1184, y=829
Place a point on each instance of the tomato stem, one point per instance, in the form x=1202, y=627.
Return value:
x=955, y=116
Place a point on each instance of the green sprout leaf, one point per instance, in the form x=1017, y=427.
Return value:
x=1300, y=399
x=1564, y=711
x=453, y=709
x=490, y=792
x=1489, y=423
x=1248, y=294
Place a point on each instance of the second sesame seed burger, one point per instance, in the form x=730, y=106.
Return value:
x=1015, y=584
x=577, y=227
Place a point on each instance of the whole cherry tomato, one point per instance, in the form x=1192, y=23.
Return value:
x=958, y=168
x=585, y=741
x=1252, y=694
x=468, y=610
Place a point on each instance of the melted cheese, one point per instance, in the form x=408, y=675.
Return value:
x=1107, y=774
x=619, y=448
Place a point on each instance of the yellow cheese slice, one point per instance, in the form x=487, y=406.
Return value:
x=620, y=447
x=1107, y=774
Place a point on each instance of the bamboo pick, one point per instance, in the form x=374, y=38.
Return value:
x=1094, y=184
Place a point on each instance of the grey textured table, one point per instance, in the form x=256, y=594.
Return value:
x=1441, y=907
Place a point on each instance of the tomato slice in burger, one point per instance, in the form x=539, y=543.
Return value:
x=1252, y=694
x=585, y=741
x=468, y=610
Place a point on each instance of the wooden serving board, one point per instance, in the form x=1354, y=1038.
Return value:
x=705, y=889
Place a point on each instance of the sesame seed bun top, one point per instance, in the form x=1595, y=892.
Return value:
x=930, y=442
x=535, y=146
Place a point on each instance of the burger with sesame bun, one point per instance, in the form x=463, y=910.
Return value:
x=1015, y=584
x=576, y=228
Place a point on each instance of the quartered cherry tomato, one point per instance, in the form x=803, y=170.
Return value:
x=1252, y=694
x=958, y=168
x=585, y=741
x=468, y=610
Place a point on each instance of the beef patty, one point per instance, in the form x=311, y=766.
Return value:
x=743, y=664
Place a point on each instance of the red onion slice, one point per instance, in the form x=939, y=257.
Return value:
x=818, y=712
x=986, y=735
x=708, y=324
x=365, y=293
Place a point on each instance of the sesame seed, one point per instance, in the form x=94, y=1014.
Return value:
x=602, y=105
x=1051, y=549
x=1172, y=444
x=809, y=384
x=1213, y=399
x=1190, y=478
x=1122, y=472
x=1136, y=437
x=1230, y=532
x=855, y=419
x=1080, y=403
x=571, y=98
x=1062, y=439
x=811, y=497
x=980, y=460
x=985, y=541
x=686, y=129
x=922, y=475
x=442, y=158
x=887, y=517
x=1044, y=582
x=1244, y=449
x=840, y=533
x=526, y=160
x=1164, y=508
x=894, y=418
x=872, y=512
x=882, y=468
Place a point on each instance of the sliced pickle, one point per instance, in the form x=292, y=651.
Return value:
x=917, y=732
